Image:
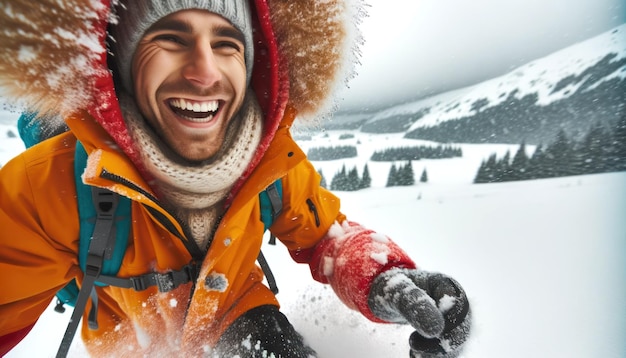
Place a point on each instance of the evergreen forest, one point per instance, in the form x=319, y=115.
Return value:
x=600, y=150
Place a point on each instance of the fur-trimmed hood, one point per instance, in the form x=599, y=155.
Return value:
x=54, y=59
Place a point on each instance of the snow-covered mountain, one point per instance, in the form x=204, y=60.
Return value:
x=569, y=89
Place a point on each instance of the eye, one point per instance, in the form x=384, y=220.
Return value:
x=230, y=46
x=169, y=40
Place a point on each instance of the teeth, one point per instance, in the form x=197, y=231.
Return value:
x=210, y=106
x=200, y=120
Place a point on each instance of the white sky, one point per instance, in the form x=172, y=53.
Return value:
x=415, y=48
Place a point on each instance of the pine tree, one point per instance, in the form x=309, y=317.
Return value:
x=619, y=144
x=519, y=166
x=503, y=171
x=591, y=150
x=424, y=176
x=578, y=161
x=322, y=179
x=536, y=164
x=408, y=176
x=366, y=180
x=403, y=175
x=481, y=174
x=559, y=155
x=391, y=179
x=491, y=169
x=343, y=178
x=335, y=181
x=353, y=181
x=339, y=180
x=611, y=160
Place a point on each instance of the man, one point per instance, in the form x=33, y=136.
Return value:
x=195, y=125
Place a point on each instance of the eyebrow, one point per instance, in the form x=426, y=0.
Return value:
x=230, y=31
x=185, y=27
x=169, y=25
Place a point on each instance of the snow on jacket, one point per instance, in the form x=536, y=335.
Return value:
x=38, y=211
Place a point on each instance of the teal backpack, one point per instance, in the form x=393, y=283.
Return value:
x=105, y=224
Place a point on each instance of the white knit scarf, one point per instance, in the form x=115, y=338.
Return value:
x=196, y=192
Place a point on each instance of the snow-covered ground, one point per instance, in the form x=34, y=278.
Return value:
x=543, y=262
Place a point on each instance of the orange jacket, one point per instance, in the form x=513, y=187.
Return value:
x=39, y=242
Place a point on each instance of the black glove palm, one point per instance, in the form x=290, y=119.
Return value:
x=434, y=304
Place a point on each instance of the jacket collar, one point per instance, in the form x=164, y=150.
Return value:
x=107, y=165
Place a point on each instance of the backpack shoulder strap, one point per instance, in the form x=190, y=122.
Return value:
x=102, y=242
x=89, y=198
x=271, y=201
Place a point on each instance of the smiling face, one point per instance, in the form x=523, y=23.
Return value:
x=189, y=76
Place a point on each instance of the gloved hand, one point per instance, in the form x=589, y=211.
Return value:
x=434, y=304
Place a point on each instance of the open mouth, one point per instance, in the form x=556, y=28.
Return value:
x=201, y=111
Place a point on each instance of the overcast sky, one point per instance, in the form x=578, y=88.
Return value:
x=415, y=48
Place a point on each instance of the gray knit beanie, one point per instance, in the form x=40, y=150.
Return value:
x=136, y=16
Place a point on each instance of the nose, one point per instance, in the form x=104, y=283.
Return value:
x=201, y=68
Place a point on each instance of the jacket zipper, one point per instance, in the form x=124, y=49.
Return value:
x=191, y=245
x=313, y=209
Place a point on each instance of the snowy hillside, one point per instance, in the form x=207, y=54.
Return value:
x=569, y=89
x=542, y=261
x=540, y=76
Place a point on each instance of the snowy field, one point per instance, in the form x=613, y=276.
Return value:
x=543, y=262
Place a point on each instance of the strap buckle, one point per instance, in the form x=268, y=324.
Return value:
x=167, y=281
